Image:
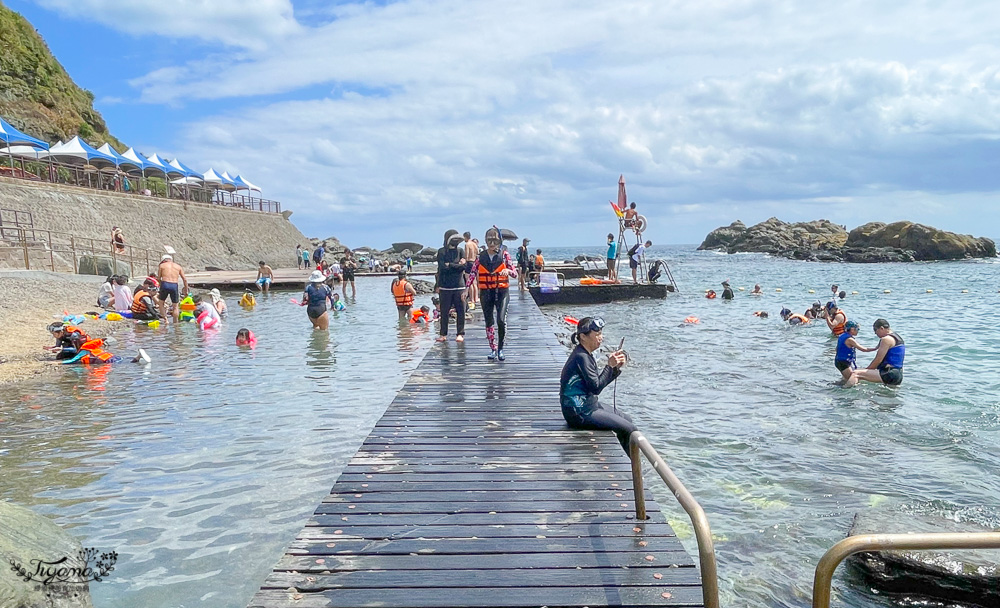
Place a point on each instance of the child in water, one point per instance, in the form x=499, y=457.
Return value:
x=338, y=304
x=422, y=316
x=245, y=337
x=436, y=301
x=205, y=313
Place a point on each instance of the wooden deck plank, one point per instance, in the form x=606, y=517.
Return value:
x=471, y=491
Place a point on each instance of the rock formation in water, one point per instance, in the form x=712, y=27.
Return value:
x=966, y=577
x=824, y=241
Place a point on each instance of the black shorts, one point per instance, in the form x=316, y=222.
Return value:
x=348, y=275
x=169, y=290
x=842, y=365
x=402, y=308
x=632, y=263
x=891, y=376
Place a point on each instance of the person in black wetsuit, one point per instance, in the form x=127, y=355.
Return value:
x=581, y=383
x=727, y=291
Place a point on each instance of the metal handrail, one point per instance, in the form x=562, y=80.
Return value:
x=880, y=542
x=132, y=255
x=638, y=444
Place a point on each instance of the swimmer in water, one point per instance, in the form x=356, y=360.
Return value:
x=245, y=337
x=757, y=291
x=792, y=318
x=887, y=366
x=336, y=303
x=847, y=347
x=727, y=291
x=760, y=313
x=835, y=318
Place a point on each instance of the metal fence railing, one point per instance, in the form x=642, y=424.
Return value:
x=112, y=180
x=62, y=251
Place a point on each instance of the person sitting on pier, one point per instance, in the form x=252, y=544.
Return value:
x=264, y=277
x=580, y=383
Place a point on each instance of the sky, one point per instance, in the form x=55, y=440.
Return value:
x=383, y=121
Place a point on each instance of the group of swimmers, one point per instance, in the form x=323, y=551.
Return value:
x=886, y=367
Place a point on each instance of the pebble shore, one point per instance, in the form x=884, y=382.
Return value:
x=29, y=301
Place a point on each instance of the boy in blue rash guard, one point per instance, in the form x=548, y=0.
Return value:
x=887, y=366
x=847, y=347
x=580, y=383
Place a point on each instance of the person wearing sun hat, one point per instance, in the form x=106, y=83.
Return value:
x=170, y=275
x=217, y=301
x=315, y=298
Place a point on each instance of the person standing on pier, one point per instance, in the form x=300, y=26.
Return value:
x=523, y=265
x=491, y=272
x=580, y=383
x=612, y=256
x=451, y=267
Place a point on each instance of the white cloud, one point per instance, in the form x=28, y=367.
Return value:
x=453, y=111
x=249, y=24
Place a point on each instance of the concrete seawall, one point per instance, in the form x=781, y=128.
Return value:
x=203, y=235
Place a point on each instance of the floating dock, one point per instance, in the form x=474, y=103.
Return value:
x=574, y=293
x=471, y=492
x=284, y=278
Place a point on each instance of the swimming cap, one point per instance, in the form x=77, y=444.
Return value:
x=785, y=312
x=851, y=325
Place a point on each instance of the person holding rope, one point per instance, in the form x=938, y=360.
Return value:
x=491, y=272
x=580, y=383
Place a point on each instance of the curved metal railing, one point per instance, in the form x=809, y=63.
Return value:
x=881, y=542
x=638, y=444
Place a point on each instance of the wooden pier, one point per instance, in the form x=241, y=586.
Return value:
x=471, y=491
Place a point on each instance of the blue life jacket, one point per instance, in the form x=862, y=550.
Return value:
x=845, y=352
x=894, y=356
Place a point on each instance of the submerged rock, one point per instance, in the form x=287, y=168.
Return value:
x=824, y=241
x=26, y=536
x=970, y=577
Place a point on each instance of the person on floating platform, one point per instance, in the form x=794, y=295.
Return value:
x=143, y=307
x=612, y=256
x=835, y=318
x=403, y=293
x=581, y=382
x=491, y=272
x=727, y=291
x=845, y=360
x=264, y=277
x=74, y=346
x=315, y=298
x=635, y=256
x=887, y=366
x=792, y=318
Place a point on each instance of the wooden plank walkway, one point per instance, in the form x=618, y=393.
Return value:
x=471, y=491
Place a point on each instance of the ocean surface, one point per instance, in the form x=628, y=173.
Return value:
x=201, y=467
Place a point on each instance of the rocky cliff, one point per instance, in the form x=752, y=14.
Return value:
x=37, y=95
x=825, y=241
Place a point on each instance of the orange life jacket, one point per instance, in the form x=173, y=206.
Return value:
x=94, y=352
x=403, y=297
x=492, y=280
x=420, y=316
x=839, y=328
x=800, y=318
x=137, y=306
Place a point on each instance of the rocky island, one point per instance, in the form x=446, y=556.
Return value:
x=824, y=241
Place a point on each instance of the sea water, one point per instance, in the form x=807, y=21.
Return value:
x=200, y=468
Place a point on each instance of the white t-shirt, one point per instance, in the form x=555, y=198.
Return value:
x=123, y=297
x=637, y=256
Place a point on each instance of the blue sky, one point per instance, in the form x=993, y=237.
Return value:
x=390, y=121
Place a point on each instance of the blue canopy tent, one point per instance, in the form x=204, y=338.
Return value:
x=12, y=137
x=186, y=171
x=77, y=151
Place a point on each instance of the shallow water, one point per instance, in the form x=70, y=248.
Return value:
x=781, y=459
x=199, y=469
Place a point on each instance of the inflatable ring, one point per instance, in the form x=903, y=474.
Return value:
x=640, y=224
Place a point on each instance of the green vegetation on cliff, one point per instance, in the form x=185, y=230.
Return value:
x=37, y=95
